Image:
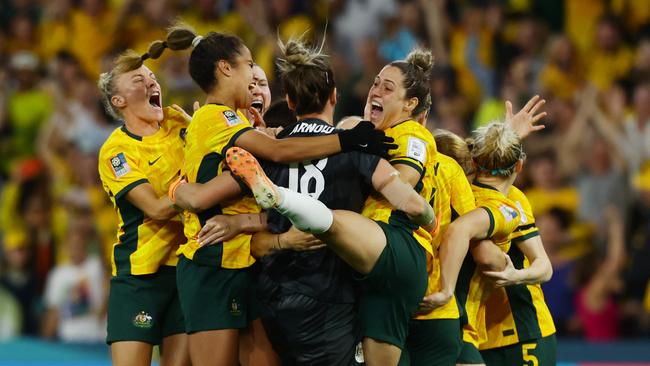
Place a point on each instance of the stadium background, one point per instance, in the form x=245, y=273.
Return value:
x=590, y=59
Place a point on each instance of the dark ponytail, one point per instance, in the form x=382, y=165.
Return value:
x=207, y=51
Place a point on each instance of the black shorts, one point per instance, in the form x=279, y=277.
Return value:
x=306, y=331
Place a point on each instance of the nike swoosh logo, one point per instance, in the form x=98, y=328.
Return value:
x=363, y=145
x=154, y=162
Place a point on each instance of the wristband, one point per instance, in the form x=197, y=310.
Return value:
x=173, y=187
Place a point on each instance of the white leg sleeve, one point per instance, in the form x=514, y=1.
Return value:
x=304, y=212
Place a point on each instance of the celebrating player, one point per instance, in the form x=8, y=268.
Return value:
x=136, y=165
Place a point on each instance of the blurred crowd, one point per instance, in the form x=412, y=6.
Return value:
x=587, y=174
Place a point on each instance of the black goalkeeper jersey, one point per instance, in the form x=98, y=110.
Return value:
x=341, y=181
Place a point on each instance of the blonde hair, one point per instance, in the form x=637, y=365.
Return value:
x=496, y=149
x=206, y=51
x=129, y=60
x=452, y=145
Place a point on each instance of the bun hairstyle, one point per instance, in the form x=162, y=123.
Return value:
x=417, y=77
x=496, y=149
x=206, y=51
x=306, y=75
x=452, y=145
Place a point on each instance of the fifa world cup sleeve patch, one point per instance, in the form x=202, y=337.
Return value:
x=231, y=118
x=524, y=219
x=508, y=212
x=417, y=149
x=120, y=165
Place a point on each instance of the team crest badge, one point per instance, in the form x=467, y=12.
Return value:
x=120, y=165
x=143, y=320
x=231, y=118
x=235, y=308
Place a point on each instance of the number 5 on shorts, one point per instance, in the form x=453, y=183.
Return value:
x=525, y=349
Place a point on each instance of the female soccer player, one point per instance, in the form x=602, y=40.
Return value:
x=503, y=211
x=376, y=248
x=262, y=94
x=215, y=281
x=136, y=165
x=435, y=333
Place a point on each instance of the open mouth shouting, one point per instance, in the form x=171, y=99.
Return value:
x=376, y=110
x=154, y=100
x=258, y=103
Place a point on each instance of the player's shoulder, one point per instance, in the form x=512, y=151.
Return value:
x=448, y=166
x=516, y=194
x=520, y=199
x=117, y=140
x=217, y=116
x=413, y=129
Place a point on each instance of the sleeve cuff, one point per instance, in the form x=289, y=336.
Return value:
x=233, y=139
x=412, y=163
x=129, y=187
x=519, y=239
x=491, y=229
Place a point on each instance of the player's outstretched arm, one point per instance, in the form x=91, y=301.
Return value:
x=196, y=197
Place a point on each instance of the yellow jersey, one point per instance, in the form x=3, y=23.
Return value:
x=517, y=313
x=126, y=161
x=417, y=149
x=504, y=219
x=452, y=197
x=213, y=130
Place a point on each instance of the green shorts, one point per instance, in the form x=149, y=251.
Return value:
x=434, y=342
x=394, y=287
x=469, y=355
x=214, y=298
x=144, y=308
x=534, y=352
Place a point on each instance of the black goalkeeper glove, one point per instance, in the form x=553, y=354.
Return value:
x=365, y=138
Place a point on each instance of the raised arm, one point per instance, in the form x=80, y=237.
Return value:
x=525, y=121
x=600, y=285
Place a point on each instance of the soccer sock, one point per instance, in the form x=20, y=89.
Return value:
x=305, y=213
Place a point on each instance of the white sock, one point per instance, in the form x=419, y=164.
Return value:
x=304, y=212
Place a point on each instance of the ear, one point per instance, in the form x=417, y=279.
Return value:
x=333, y=97
x=519, y=166
x=118, y=101
x=410, y=105
x=290, y=104
x=224, y=67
